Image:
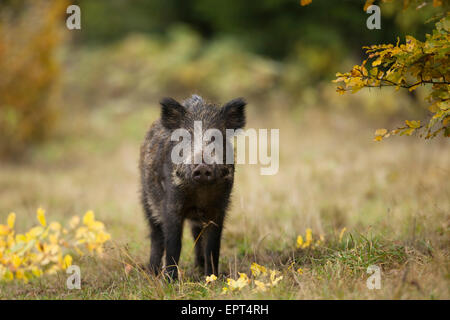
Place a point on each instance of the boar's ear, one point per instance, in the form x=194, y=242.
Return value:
x=172, y=113
x=234, y=113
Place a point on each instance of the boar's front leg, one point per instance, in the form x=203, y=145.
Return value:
x=212, y=248
x=157, y=247
x=198, y=242
x=173, y=229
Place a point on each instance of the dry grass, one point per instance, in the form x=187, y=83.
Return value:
x=393, y=198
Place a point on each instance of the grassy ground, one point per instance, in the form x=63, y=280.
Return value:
x=392, y=198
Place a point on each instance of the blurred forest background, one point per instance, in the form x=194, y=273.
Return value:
x=276, y=53
x=75, y=105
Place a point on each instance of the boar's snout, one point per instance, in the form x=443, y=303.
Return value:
x=203, y=173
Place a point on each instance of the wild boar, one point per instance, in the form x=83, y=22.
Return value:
x=196, y=191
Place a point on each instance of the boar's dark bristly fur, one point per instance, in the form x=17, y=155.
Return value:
x=173, y=193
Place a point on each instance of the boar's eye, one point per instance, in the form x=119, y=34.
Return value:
x=234, y=113
x=172, y=112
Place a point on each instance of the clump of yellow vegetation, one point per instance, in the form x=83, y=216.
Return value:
x=44, y=249
x=261, y=280
x=309, y=242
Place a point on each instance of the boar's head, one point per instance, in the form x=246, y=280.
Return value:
x=200, y=139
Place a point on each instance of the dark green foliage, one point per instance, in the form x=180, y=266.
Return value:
x=269, y=27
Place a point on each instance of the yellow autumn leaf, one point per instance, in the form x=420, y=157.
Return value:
x=81, y=232
x=36, y=272
x=408, y=132
x=4, y=230
x=243, y=276
x=53, y=239
x=8, y=276
x=90, y=247
x=260, y=286
x=368, y=4
x=211, y=278
x=102, y=237
x=413, y=123
x=238, y=284
x=55, y=226
x=74, y=222
x=376, y=62
x=273, y=277
x=11, y=219
x=34, y=232
x=305, y=2
x=21, y=238
x=380, y=132
x=299, y=241
x=340, y=90
x=257, y=269
x=308, y=235
x=89, y=218
x=437, y=3
x=357, y=88
x=40, y=214
x=97, y=225
x=378, y=138
x=21, y=276
x=16, y=261
x=67, y=262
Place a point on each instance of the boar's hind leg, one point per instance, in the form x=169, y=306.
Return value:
x=198, y=241
x=157, y=247
x=212, y=248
